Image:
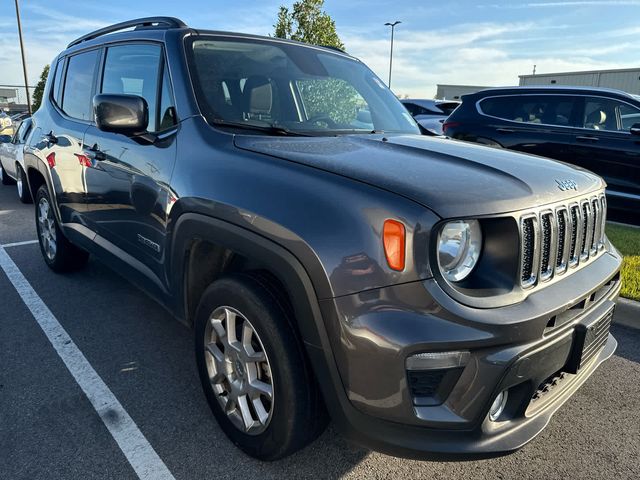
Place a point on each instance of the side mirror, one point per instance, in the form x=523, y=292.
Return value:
x=5, y=138
x=125, y=114
x=635, y=129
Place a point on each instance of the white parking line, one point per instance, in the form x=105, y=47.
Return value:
x=138, y=451
x=19, y=244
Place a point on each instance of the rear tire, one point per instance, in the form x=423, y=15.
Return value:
x=58, y=253
x=292, y=413
x=22, y=186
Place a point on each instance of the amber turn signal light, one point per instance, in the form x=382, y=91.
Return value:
x=393, y=237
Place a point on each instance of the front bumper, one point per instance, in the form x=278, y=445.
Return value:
x=521, y=348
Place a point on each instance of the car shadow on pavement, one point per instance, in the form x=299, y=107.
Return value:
x=626, y=337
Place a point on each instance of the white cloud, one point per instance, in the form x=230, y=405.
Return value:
x=578, y=3
x=479, y=54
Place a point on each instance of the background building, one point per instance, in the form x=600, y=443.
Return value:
x=9, y=101
x=455, y=92
x=626, y=79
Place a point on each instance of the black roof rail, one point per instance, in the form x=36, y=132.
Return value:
x=331, y=47
x=138, y=23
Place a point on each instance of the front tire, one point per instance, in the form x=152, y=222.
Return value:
x=22, y=186
x=254, y=371
x=59, y=254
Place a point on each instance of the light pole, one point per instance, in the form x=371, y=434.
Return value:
x=24, y=63
x=393, y=26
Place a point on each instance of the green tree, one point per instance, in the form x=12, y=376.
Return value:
x=39, y=90
x=308, y=22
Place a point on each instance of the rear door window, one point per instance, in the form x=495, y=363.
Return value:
x=532, y=109
x=23, y=131
x=78, y=85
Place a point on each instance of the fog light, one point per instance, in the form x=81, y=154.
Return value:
x=497, y=407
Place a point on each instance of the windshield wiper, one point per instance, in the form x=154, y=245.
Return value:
x=267, y=128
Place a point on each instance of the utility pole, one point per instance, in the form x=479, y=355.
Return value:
x=24, y=63
x=393, y=26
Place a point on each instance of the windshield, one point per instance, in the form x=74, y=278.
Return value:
x=279, y=87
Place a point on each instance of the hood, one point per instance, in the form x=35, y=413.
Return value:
x=452, y=178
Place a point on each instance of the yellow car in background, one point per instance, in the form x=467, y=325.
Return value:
x=6, y=125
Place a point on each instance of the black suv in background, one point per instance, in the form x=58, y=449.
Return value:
x=594, y=128
x=432, y=296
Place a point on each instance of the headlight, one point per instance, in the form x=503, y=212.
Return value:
x=459, y=245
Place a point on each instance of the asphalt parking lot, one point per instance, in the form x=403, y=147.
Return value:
x=49, y=428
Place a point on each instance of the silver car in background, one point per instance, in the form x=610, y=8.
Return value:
x=430, y=114
x=12, y=160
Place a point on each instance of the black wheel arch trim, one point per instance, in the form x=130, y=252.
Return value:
x=42, y=170
x=287, y=268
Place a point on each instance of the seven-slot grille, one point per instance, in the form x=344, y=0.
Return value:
x=555, y=240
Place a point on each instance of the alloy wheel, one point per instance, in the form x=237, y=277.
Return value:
x=47, y=228
x=239, y=370
x=19, y=183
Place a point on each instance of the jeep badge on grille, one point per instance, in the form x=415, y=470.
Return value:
x=565, y=185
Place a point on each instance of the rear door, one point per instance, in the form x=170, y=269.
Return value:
x=60, y=136
x=128, y=178
x=605, y=146
x=540, y=124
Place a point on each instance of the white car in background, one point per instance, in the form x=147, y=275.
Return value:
x=12, y=160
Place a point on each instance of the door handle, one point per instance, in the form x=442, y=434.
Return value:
x=95, y=153
x=587, y=138
x=505, y=130
x=50, y=138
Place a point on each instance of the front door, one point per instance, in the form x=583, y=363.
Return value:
x=605, y=145
x=127, y=178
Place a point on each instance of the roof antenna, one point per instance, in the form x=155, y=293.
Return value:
x=534, y=69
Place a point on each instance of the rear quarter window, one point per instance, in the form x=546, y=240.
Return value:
x=56, y=92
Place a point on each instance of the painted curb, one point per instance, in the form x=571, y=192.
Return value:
x=627, y=313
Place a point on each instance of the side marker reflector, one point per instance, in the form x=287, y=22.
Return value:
x=393, y=236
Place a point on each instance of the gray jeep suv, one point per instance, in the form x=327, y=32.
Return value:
x=431, y=297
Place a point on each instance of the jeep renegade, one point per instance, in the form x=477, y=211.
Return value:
x=431, y=297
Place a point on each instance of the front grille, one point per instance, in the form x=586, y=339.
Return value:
x=561, y=265
x=528, y=249
x=575, y=223
x=548, y=385
x=558, y=239
x=596, y=338
x=546, y=267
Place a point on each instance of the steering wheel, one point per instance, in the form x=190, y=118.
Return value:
x=323, y=117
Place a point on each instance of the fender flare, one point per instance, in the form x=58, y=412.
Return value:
x=39, y=166
x=289, y=270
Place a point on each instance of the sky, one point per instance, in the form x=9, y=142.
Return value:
x=488, y=42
